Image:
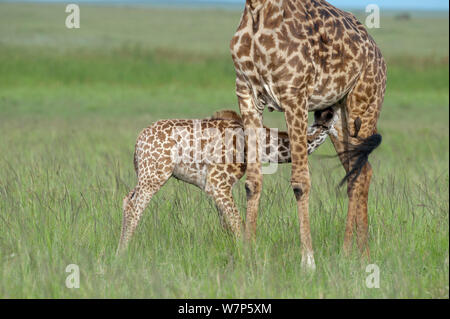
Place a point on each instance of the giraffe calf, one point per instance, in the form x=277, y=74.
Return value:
x=167, y=148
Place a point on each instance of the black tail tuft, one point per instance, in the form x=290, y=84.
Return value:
x=360, y=154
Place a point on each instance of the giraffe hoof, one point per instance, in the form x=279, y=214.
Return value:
x=308, y=262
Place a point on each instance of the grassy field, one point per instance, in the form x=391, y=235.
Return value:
x=73, y=101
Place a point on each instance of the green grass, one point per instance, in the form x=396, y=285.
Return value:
x=73, y=101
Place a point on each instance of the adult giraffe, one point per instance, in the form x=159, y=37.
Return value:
x=298, y=56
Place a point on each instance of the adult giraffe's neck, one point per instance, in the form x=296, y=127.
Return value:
x=255, y=3
x=254, y=7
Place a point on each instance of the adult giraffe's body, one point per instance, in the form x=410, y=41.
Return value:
x=298, y=56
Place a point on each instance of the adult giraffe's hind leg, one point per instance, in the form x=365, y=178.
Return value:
x=362, y=223
x=357, y=191
x=356, y=138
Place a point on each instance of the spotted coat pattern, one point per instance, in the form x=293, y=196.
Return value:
x=300, y=56
x=155, y=161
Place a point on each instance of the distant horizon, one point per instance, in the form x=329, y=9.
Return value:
x=411, y=5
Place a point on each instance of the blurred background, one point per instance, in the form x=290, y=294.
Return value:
x=72, y=102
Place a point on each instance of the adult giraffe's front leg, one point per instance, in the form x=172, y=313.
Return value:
x=297, y=124
x=252, y=119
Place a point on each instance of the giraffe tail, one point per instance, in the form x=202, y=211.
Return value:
x=360, y=155
x=135, y=162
